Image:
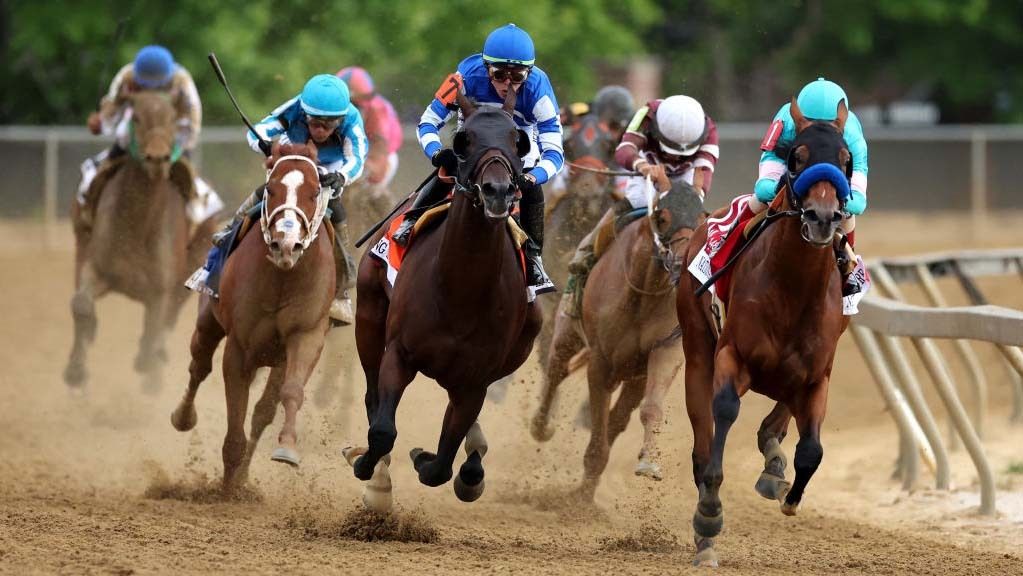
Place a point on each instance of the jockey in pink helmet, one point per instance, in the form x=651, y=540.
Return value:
x=381, y=122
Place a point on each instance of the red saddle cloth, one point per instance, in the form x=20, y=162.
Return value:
x=724, y=237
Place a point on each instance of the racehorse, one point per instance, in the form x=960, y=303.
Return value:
x=458, y=310
x=784, y=320
x=275, y=294
x=628, y=325
x=138, y=241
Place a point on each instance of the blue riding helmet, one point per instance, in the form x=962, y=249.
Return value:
x=509, y=44
x=325, y=95
x=154, y=67
x=819, y=99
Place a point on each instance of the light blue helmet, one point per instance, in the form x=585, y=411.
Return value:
x=819, y=99
x=325, y=95
x=509, y=44
x=154, y=67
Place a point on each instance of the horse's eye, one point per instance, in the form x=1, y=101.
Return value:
x=802, y=155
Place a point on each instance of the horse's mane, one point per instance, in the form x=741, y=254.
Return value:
x=307, y=150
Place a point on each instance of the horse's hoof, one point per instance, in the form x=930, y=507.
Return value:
x=707, y=526
x=466, y=492
x=539, y=429
x=361, y=470
x=376, y=494
x=772, y=487
x=650, y=470
x=286, y=455
x=420, y=457
x=789, y=509
x=706, y=558
x=75, y=375
x=184, y=420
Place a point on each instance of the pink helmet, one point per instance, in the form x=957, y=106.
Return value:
x=358, y=80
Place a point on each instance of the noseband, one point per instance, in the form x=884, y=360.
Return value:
x=473, y=190
x=312, y=225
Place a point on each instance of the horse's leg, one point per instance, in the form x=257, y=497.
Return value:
x=83, y=311
x=595, y=458
x=809, y=413
x=262, y=416
x=625, y=405
x=207, y=335
x=195, y=256
x=469, y=482
x=237, y=378
x=566, y=342
x=371, y=307
x=303, y=351
x=394, y=376
x=152, y=345
x=662, y=367
x=772, y=484
x=463, y=410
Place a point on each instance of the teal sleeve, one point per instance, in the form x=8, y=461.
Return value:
x=765, y=189
x=857, y=144
x=857, y=203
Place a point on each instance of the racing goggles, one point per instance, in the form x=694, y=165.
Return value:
x=324, y=122
x=505, y=74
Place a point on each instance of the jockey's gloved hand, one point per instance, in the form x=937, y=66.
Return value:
x=333, y=180
x=265, y=146
x=526, y=183
x=445, y=158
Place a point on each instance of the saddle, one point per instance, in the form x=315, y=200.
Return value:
x=182, y=175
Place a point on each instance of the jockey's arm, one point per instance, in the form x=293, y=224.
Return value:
x=354, y=147
x=430, y=123
x=780, y=134
x=548, y=131
x=376, y=159
x=854, y=138
x=267, y=128
x=627, y=153
x=706, y=159
x=189, y=109
x=112, y=105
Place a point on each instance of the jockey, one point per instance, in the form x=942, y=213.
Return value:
x=672, y=135
x=505, y=63
x=383, y=130
x=323, y=113
x=818, y=100
x=154, y=69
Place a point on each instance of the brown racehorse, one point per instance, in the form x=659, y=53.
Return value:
x=784, y=321
x=457, y=312
x=628, y=324
x=275, y=294
x=138, y=244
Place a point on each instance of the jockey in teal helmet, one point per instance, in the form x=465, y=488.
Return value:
x=324, y=114
x=818, y=100
x=506, y=63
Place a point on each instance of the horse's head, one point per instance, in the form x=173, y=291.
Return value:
x=293, y=206
x=674, y=216
x=819, y=166
x=591, y=146
x=153, y=138
x=489, y=147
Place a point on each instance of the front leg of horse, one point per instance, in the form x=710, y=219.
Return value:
x=566, y=343
x=662, y=366
x=303, y=351
x=205, y=339
x=772, y=484
x=462, y=412
x=809, y=452
x=83, y=311
x=395, y=375
x=152, y=345
x=237, y=379
x=469, y=481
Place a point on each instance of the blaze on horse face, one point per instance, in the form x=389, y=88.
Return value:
x=153, y=122
x=819, y=151
x=489, y=148
x=292, y=191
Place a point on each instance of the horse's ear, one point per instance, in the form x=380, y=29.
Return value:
x=468, y=108
x=797, y=116
x=460, y=143
x=509, y=101
x=842, y=116
x=522, y=143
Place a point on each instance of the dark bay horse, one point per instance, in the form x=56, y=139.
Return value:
x=629, y=326
x=784, y=321
x=458, y=311
x=275, y=294
x=138, y=244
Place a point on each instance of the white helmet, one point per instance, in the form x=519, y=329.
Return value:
x=680, y=125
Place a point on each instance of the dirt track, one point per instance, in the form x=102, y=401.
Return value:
x=103, y=484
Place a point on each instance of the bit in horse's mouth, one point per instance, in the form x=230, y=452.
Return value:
x=493, y=215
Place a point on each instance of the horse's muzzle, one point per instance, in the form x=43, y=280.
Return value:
x=819, y=226
x=284, y=254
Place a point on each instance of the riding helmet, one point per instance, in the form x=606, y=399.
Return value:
x=614, y=104
x=154, y=67
x=509, y=44
x=681, y=121
x=360, y=83
x=819, y=99
x=325, y=95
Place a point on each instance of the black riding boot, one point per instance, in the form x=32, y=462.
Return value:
x=433, y=192
x=341, y=311
x=531, y=217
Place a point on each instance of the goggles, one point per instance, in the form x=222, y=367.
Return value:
x=324, y=122
x=515, y=75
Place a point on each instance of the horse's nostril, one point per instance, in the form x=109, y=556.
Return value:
x=812, y=216
x=836, y=216
x=275, y=246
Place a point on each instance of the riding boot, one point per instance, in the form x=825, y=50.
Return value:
x=433, y=192
x=341, y=311
x=239, y=215
x=90, y=168
x=531, y=217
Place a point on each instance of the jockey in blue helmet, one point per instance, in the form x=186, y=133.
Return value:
x=818, y=100
x=507, y=62
x=324, y=114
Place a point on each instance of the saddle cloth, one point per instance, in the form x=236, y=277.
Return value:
x=393, y=254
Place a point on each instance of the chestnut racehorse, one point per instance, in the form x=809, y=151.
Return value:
x=275, y=294
x=458, y=311
x=784, y=320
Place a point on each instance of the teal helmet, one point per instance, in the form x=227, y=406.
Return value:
x=325, y=95
x=819, y=99
x=509, y=45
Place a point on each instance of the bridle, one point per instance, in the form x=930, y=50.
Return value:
x=473, y=190
x=311, y=224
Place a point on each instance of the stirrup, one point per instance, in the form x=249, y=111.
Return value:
x=539, y=281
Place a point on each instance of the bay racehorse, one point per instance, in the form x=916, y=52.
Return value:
x=630, y=329
x=458, y=310
x=137, y=242
x=275, y=294
x=784, y=320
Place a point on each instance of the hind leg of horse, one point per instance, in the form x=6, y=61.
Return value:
x=469, y=482
x=371, y=308
x=205, y=339
x=772, y=484
x=662, y=367
x=303, y=352
x=237, y=378
x=152, y=352
x=395, y=376
x=462, y=411
x=596, y=455
x=566, y=342
x=262, y=416
x=809, y=413
x=83, y=311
